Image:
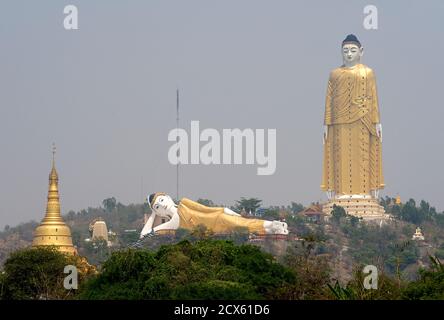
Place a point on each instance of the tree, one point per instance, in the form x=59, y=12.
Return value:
x=182, y=234
x=201, y=232
x=337, y=213
x=271, y=214
x=127, y=238
x=208, y=269
x=396, y=211
x=312, y=271
x=240, y=235
x=76, y=237
x=430, y=284
x=410, y=213
x=387, y=289
x=249, y=205
x=38, y=273
x=71, y=215
x=296, y=207
x=354, y=221
x=97, y=250
x=386, y=202
x=109, y=204
x=205, y=202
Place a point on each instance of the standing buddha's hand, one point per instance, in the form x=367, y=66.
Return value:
x=379, y=131
x=324, y=137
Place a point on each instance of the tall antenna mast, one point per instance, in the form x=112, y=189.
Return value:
x=177, y=140
x=141, y=189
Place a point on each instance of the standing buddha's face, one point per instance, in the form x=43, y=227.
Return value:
x=351, y=54
x=164, y=206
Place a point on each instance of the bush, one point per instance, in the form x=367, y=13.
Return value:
x=37, y=273
x=207, y=269
x=430, y=285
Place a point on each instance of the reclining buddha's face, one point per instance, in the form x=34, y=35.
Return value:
x=164, y=206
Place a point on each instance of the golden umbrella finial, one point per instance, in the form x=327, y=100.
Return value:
x=54, y=149
x=53, y=175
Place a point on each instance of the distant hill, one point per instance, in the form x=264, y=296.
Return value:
x=345, y=241
x=118, y=219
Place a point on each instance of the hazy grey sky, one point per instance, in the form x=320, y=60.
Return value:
x=105, y=94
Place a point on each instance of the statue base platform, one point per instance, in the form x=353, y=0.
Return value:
x=361, y=206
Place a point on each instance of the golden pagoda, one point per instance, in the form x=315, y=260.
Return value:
x=53, y=231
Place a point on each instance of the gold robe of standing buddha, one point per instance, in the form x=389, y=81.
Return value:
x=352, y=161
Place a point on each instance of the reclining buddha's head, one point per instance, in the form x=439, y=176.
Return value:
x=162, y=204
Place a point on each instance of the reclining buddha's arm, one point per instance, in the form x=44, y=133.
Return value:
x=172, y=224
x=148, y=225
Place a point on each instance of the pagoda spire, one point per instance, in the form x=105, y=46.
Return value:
x=53, y=204
x=53, y=230
x=53, y=155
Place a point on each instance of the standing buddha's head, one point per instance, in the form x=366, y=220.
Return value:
x=352, y=50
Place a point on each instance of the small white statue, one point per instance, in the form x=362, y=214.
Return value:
x=418, y=235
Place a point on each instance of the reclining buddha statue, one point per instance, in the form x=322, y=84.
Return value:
x=189, y=214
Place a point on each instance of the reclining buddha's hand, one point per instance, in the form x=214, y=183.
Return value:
x=148, y=235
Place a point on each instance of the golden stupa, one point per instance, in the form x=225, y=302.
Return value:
x=53, y=231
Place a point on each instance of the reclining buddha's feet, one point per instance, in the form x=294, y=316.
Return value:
x=276, y=227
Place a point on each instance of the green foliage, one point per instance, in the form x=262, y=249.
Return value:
x=417, y=215
x=240, y=235
x=182, y=234
x=386, y=202
x=439, y=219
x=338, y=213
x=387, y=288
x=210, y=269
x=312, y=271
x=430, y=285
x=2, y=285
x=249, y=205
x=341, y=293
x=355, y=241
x=35, y=273
x=206, y=202
x=298, y=224
x=400, y=256
x=296, y=207
x=439, y=253
x=371, y=244
x=109, y=204
x=354, y=221
x=201, y=232
x=127, y=238
x=97, y=249
x=271, y=214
